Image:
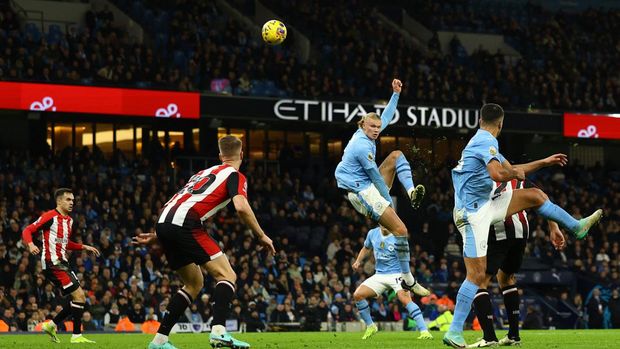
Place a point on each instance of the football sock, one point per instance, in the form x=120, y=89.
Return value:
x=415, y=313
x=223, y=295
x=466, y=294
x=364, y=309
x=77, y=310
x=179, y=302
x=511, y=301
x=404, y=256
x=484, y=311
x=555, y=213
x=403, y=171
x=160, y=339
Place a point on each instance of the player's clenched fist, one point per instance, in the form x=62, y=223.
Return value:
x=397, y=85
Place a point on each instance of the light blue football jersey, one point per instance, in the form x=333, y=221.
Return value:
x=386, y=258
x=470, y=178
x=360, y=154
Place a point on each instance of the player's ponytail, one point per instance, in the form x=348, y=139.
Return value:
x=373, y=115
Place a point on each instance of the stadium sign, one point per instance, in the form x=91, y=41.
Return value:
x=413, y=116
x=99, y=100
x=603, y=126
x=199, y=327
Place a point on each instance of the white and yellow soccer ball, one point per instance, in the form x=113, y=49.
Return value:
x=274, y=32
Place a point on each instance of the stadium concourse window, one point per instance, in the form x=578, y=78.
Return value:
x=386, y=144
x=314, y=142
x=161, y=137
x=125, y=139
x=104, y=136
x=196, y=139
x=63, y=136
x=295, y=140
x=257, y=144
x=139, y=141
x=84, y=136
x=50, y=135
x=275, y=142
x=175, y=143
x=334, y=148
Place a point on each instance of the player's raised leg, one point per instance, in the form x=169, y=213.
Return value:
x=395, y=164
x=414, y=312
x=535, y=198
x=360, y=295
x=192, y=279
x=226, y=278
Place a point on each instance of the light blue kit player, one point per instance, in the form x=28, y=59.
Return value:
x=477, y=206
x=382, y=244
x=368, y=186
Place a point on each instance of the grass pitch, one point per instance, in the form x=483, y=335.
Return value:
x=564, y=339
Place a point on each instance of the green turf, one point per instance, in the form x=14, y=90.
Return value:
x=587, y=339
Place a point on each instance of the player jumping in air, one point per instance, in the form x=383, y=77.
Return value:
x=478, y=206
x=368, y=186
x=188, y=247
x=57, y=227
x=387, y=276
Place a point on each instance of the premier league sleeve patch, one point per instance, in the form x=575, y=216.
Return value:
x=492, y=150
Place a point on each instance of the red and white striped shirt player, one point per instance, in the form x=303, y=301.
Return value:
x=205, y=193
x=57, y=226
x=56, y=230
x=517, y=225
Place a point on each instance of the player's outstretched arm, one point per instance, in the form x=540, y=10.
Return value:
x=244, y=210
x=390, y=109
x=361, y=256
x=504, y=172
x=555, y=159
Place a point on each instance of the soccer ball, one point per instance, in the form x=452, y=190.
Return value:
x=274, y=32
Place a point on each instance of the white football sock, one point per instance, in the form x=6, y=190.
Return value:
x=410, y=191
x=160, y=339
x=408, y=278
x=218, y=330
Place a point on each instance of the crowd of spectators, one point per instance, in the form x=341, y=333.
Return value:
x=317, y=236
x=568, y=59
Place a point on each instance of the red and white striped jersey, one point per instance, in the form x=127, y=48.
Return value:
x=205, y=193
x=515, y=227
x=57, y=230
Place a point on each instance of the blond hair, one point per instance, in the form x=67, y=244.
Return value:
x=230, y=146
x=373, y=115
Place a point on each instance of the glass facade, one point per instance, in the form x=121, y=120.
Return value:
x=259, y=144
